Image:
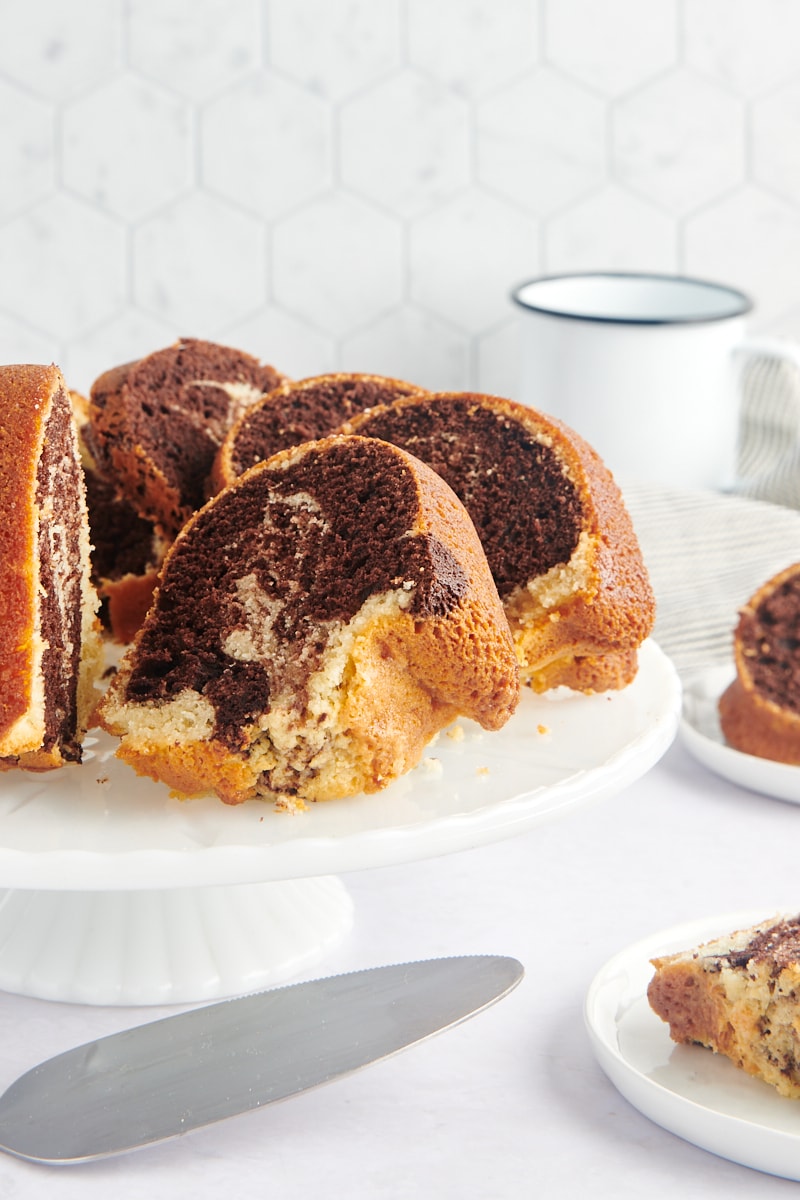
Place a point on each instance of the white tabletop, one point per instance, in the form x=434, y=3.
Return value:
x=511, y=1103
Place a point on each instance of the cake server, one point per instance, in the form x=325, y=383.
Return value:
x=172, y=1075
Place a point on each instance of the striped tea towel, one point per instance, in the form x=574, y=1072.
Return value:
x=706, y=554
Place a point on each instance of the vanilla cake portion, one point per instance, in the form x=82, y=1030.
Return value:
x=315, y=625
x=739, y=995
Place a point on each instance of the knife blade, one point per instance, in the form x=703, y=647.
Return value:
x=169, y=1076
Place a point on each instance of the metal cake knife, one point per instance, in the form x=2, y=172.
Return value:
x=169, y=1076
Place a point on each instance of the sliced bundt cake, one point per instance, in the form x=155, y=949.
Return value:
x=315, y=625
x=559, y=540
x=50, y=646
x=298, y=411
x=157, y=424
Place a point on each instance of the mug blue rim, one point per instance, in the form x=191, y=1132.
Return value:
x=744, y=303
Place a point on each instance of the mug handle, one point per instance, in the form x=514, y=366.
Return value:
x=767, y=383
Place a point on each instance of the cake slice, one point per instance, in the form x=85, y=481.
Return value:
x=296, y=411
x=760, y=710
x=552, y=521
x=315, y=625
x=127, y=551
x=155, y=425
x=738, y=995
x=50, y=645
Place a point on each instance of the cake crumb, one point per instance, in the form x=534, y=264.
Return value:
x=542, y=729
x=432, y=766
x=290, y=804
x=456, y=733
x=481, y=770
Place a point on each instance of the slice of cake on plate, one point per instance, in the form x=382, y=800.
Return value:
x=760, y=711
x=738, y=995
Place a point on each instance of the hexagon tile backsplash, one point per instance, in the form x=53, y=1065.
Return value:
x=357, y=184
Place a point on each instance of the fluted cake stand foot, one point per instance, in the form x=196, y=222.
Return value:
x=170, y=946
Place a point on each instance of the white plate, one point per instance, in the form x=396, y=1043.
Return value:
x=99, y=826
x=698, y=1095
x=702, y=736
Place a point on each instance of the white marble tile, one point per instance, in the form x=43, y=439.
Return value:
x=612, y=230
x=280, y=155
x=27, y=149
x=498, y=359
x=541, y=141
x=369, y=178
x=751, y=239
x=408, y=344
x=613, y=46
x=59, y=50
x=21, y=344
x=337, y=262
x=154, y=128
x=405, y=143
x=679, y=141
x=335, y=47
x=199, y=264
x=473, y=47
x=775, y=126
x=284, y=341
x=63, y=267
x=750, y=46
x=197, y=47
x=464, y=255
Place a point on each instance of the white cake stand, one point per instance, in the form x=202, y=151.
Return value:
x=117, y=893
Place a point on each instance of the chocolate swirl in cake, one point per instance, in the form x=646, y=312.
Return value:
x=315, y=625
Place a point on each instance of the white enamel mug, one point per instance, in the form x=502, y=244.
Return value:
x=643, y=366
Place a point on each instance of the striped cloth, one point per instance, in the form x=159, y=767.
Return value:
x=769, y=433
x=706, y=555
x=707, y=552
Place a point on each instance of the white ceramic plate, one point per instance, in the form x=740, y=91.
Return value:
x=698, y=1095
x=99, y=826
x=702, y=736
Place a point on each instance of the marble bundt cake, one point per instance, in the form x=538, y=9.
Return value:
x=315, y=625
x=738, y=995
x=156, y=424
x=50, y=646
x=559, y=541
x=299, y=411
x=760, y=711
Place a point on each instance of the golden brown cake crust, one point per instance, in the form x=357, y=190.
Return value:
x=383, y=662
x=580, y=624
x=738, y=995
x=752, y=720
x=25, y=392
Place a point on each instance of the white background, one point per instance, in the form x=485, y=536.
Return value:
x=357, y=184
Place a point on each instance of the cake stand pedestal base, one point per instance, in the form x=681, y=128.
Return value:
x=170, y=946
